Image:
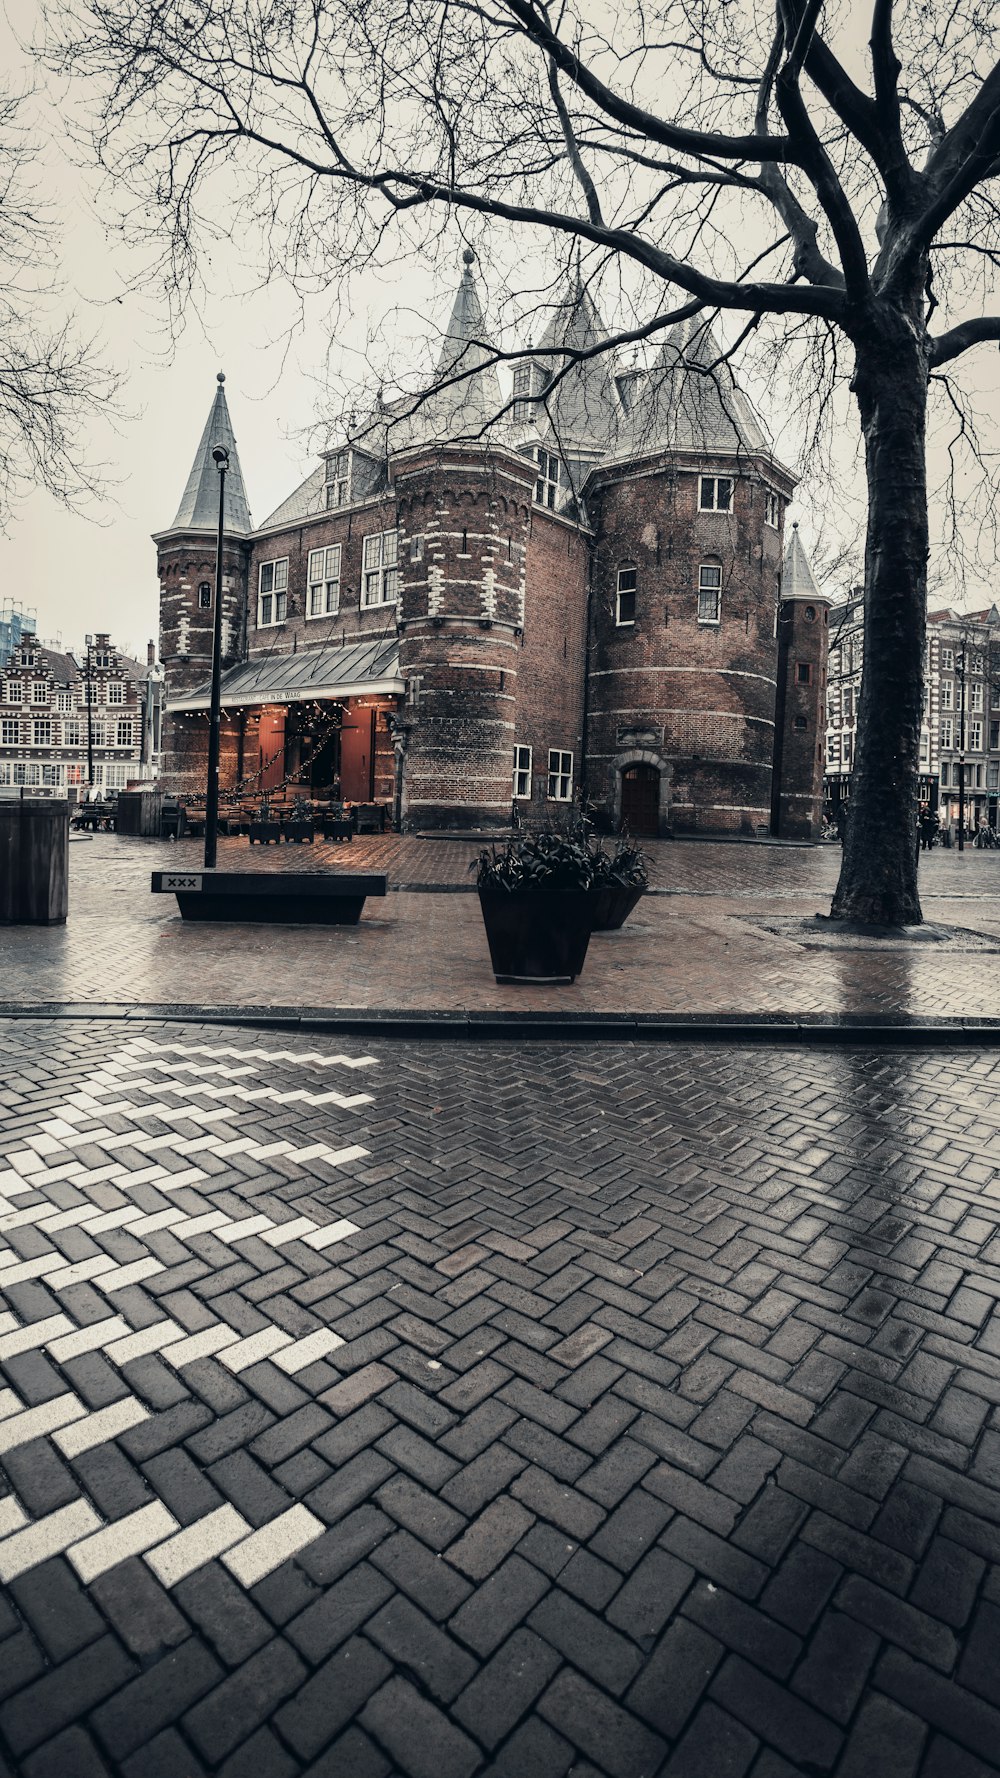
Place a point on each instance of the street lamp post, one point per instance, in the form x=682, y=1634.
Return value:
x=961, y=750
x=90, y=719
x=220, y=457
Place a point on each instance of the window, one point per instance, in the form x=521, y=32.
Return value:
x=848, y=749
x=977, y=663
x=803, y=673
x=625, y=609
x=338, y=479
x=102, y=658
x=523, y=411
x=522, y=774
x=715, y=493
x=975, y=737
x=72, y=734
x=323, y=599
x=800, y=722
x=994, y=736
x=123, y=734
x=52, y=776
x=116, y=692
x=64, y=700
x=945, y=771
x=380, y=572
x=709, y=593
x=41, y=733
x=947, y=660
x=27, y=774
x=272, y=604
x=117, y=775
x=10, y=732
x=15, y=691
x=810, y=614
x=205, y=596
x=39, y=691
x=771, y=507
x=834, y=749
x=946, y=732
x=417, y=549
x=74, y=774
x=97, y=733
x=993, y=775
x=947, y=694
x=976, y=697
x=560, y=776
x=547, y=483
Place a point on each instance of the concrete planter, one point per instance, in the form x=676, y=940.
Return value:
x=313, y=899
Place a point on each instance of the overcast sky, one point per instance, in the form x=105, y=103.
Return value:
x=97, y=571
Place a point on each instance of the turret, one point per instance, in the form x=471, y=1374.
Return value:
x=800, y=719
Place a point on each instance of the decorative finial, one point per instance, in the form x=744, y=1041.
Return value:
x=221, y=377
x=795, y=524
x=469, y=257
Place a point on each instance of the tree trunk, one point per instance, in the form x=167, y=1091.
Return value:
x=878, y=878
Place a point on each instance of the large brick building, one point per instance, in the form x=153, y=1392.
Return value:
x=67, y=724
x=573, y=596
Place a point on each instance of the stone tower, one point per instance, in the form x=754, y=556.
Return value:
x=186, y=563
x=463, y=503
x=800, y=712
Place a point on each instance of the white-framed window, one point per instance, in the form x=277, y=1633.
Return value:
x=947, y=729
x=14, y=691
x=380, y=568
x=117, y=774
x=75, y=774
x=10, y=731
x=39, y=691
x=97, y=733
x=323, y=596
x=41, y=733
x=977, y=664
x=715, y=493
x=65, y=700
x=338, y=480
x=848, y=748
x=947, y=694
x=947, y=662
x=116, y=691
x=709, y=593
x=993, y=775
x=52, y=776
x=560, y=776
x=976, y=697
x=833, y=749
x=272, y=596
x=628, y=580
x=123, y=733
x=6, y=771
x=547, y=480
x=523, y=411
x=73, y=734
x=26, y=772
x=975, y=737
x=772, y=508
x=522, y=774
x=98, y=777
x=102, y=658
x=205, y=596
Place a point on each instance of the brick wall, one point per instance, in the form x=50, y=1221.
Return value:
x=698, y=699
x=552, y=659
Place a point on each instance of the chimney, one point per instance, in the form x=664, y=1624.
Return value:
x=150, y=653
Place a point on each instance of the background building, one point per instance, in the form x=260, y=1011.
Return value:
x=574, y=603
x=59, y=716
x=15, y=626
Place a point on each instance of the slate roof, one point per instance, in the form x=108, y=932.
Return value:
x=311, y=673
x=690, y=402
x=199, y=507
x=583, y=409
x=466, y=406
x=797, y=578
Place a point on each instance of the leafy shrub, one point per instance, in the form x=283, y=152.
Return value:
x=551, y=860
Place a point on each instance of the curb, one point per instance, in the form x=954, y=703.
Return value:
x=850, y=1030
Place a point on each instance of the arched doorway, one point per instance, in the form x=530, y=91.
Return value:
x=641, y=800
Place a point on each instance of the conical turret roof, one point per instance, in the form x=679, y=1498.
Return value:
x=797, y=578
x=199, y=507
x=463, y=399
x=691, y=400
x=582, y=408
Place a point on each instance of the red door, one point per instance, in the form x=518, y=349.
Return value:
x=271, y=733
x=357, y=756
x=641, y=801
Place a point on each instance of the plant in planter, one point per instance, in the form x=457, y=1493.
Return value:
x=619, y=882
x=299, y=826
x=263, y=829
x=538, y=906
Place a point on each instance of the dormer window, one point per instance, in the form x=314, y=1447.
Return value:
x=523, y=411
x=715, y=493
x=547, y=482
x=338, y=480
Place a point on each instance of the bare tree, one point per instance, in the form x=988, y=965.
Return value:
x=723, y=149
x=52, y=382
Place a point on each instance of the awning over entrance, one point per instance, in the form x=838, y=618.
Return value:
x=361, y=670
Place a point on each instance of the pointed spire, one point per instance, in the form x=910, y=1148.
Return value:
x=199, y=507
x=463, y=398
x=463, y=347
x=797, y=578
x=582, y=409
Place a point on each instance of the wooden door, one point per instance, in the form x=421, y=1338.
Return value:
x=641, y=801
x=357, y=756
x=271, y=734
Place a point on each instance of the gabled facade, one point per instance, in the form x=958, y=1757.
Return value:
x=66, y=724
x=568, y=596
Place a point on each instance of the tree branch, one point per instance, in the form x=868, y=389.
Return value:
x=958, y=339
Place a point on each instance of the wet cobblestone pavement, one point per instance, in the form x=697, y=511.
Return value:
x=702, y=946
x=408, y=1409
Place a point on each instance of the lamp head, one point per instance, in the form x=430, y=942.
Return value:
x=220, y=457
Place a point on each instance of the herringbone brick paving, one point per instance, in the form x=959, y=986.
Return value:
x=496, y=1411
